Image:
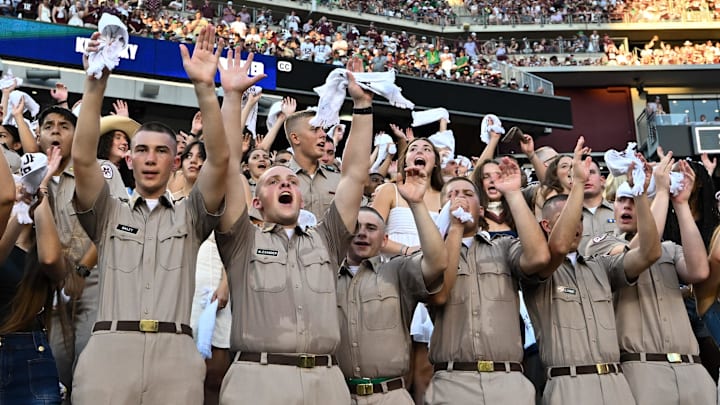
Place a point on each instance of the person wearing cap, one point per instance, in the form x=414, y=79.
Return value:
x=571, y=300
x=377, y=298
x=659, y=352
x=476, y=348
x=282, y=276
x=117, y=132
x=146, y=245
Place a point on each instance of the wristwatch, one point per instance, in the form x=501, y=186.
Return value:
x=82, y=270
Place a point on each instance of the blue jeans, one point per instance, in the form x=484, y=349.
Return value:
x=712, y=321
x=27, y=370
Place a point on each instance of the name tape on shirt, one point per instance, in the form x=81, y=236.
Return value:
x=126, y=228
x=567, y=290
x=267, y=252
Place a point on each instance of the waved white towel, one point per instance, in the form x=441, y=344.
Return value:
x=206, y=325
x=490, y=123
x=332, y=94
x=463, y=161
x=8, y=79
x=619, y=162
x=384, y=142
x=429, y=116
x=114, y=40
x=443, y=219
x=251, y=121
x=14, y=99
x=306, y=219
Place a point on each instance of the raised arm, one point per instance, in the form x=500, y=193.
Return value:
x=412, y=188
x=27, y=139
x=348, y=194
x=201, y=69
x=535, y=254
x=694, y=268
x=50, y=254
x=287, y=108
x=88, y=175
x=527, y=146
x=489, y=152
x=235, y=81
x=564, y=233
x=648, y=251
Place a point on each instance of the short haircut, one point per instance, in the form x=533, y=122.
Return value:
x=64, y=112
x=292, y=121
x=155, y=126
x=456, y=179
x=373, y=211
x=551, y=205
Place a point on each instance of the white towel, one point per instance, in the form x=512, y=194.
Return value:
x=676, y=185
x=8, y=79
x=490, y=123
x=429, y=116
x=114, y=39
x=384, y=143
x=332, y=94
x=251, y=121
x=619, y=162
x=13, y=100
x=275, y=110
x=463, y=161
x=306, y=219
x=443, y=219
x=32, y=170
x=206, y=324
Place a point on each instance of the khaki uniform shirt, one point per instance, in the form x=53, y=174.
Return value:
x=600, y=223
x=481, y=319
x=376, y=305
x=572, y=311
x=317, y=190
x=73, y=238
x=148, y=257
x=651, y=315
x=283, y=289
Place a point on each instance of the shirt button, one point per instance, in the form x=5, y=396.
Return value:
x=147, y=286
x=354, y=344
x=146, y=312
x=594, y=340
x=297, y=285
x=477, y=334
x=475, y=312
x=149, y=238
x=357, y=369
x=353, y=322
x=299, y=307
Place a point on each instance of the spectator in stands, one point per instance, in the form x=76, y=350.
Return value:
x=208, y=10
x=60, y=12
x=228, y=13
x=44, y=11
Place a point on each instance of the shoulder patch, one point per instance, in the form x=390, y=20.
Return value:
x=107, y=170
x=331, y=168
x=599, y=238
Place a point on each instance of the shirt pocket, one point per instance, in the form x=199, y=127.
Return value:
x=317, y=272
x=126, y=251
x=568, y=309
x=495, y=281
x=460, y=291
x=603, y=308
x=268, y=273
x=171, y=244
x=380, y=308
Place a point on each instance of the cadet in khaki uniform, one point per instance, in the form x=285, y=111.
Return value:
x=476, y=347
x=597, y=213
x=282, y=277
x=658, y=349
x=570, y=302
x=318, y=182
x=376, y=300
x=57, y=126
x=141, y=350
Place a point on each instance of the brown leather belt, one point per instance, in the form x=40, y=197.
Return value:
x=300, y=360
x=600, y=369
x=480, y=366
x=145, y=326
x=664, y=357
x=368, y=388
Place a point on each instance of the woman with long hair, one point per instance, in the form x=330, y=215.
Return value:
x=31, y=276
x=497, y=216
x=191, y=161
x=404, y=240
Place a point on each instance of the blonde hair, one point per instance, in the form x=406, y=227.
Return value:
x=611, y=185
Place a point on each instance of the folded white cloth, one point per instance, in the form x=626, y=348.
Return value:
x=251, y=121
x=306, y=219
x=385, y=146
x=463, y=161
x=443, y=219
x=332, y=94
x=32, y=170
x=490, y=123
x=676, y=185
x=8, y=79
x=429, y=116
x=206, y=325
x=331, y=131
x=443, y=139
x=114, y=39
x=14, y=99
x=421, y=326
x=275, y=110
x=619, y=162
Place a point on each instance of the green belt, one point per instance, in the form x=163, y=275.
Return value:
x=356, y=381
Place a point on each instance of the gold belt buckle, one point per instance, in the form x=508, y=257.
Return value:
x=364, y=389
x=603, y=368
x=674, y=357
x=485, y=366
x=149, y=325
x=306, y=361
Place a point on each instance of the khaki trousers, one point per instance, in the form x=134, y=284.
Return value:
x=588, y=389
x=659, y=383
x=470, y=387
